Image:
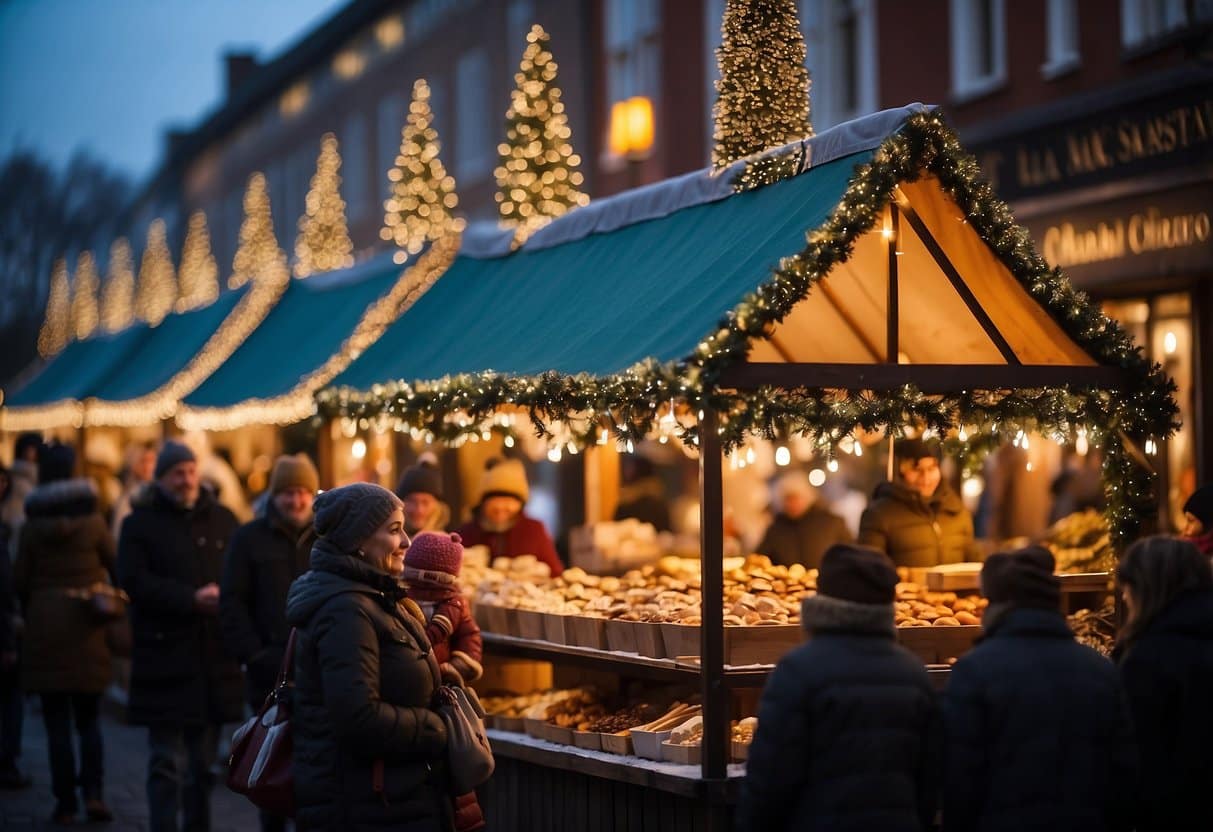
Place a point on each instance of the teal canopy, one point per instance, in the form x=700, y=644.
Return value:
x=604, y=302
x=76, y=372
x=306, y=327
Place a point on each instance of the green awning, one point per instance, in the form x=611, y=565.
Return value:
x=79, y=370
x=305, y=328
x=602, y=303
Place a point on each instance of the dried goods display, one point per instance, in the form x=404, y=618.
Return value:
x=1096, y=628
x=1081, y=542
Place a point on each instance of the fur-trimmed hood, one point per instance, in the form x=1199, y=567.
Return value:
x=824, y=614
x=62, y=498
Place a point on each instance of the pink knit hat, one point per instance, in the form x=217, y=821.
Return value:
x=435, y=552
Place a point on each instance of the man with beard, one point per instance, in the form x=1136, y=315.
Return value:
x=183, y=685
x=264, y=558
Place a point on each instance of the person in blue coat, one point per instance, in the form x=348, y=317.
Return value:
x=848, y=735
x=1165, y=655
x=1038, y=728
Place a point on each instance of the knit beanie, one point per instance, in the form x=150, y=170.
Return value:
x=1022, y=578
x=172, y=453
x=1200, y=506
x=348, y=515
x=858, y=574
x=55, y=462
x=504, y=478
x=912, y=450
x=294, y=471
x=422, y=478
x=435, y=552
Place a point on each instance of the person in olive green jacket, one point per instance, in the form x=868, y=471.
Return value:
x=918, y=520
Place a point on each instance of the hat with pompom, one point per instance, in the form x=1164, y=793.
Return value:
x=435, y=552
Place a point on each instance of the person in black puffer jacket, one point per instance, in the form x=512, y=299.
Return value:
x=848, y=733
x=1039, y=733
x=1165, y=655
x=370, y=751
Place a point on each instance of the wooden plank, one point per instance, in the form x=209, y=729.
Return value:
x=929, y=378
x=711, y=530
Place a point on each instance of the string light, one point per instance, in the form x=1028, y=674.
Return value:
x=323, y=244
x=783, y=456
x=762, y=95
x=157, y=291
x=85, y=316
x=258, y=254
x=537, y=177
x=118, y=293
x=199, y=274
x=423, y=194
x=56, y=326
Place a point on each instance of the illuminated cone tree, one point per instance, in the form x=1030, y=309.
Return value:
x=324, y=243
x=258, y=256
x=423, y=193
x=56, y=327
x=157, y=290
x=199, y=274
x=762, y=96
x=118, y=293
x=84, y=297
x=537, y=178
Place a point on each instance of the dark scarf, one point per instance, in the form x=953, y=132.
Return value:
x=328, y=558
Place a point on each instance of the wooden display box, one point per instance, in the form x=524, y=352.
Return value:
x=591, y=740
x=647, y=744
x=493, y=618
x=556, y=734
x=536, y=728
x=739, y=750
x=509, y=723
x=617, y=743
x=621, y=635
x=586, y=631
x=742, y=645
x=935, y=645
x=530, y=624
x=649, y=641
x=954, y=577
x=555, y=627
x=686, y=755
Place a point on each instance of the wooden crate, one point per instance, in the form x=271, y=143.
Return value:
x=952, y=577
x=649, y=641
x=536, y=728
x=617, y=743
x=492, y=618
x=742, y=645
x=586, y=631
x=530, y=624
x=591, y=740
x=686, y=755
x=555, y=627
x=621, y=635
x=556, y=734
x=935, y=645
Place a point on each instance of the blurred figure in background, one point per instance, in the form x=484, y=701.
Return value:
x=420, y=488
x=1198, y=520
x=140, y=464
x=642, y=493
x=66, y=550
x=23, y=477
x=803, y=528
x=499, y=523
x=11, y=706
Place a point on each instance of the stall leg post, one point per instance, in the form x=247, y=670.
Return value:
x=711, y=531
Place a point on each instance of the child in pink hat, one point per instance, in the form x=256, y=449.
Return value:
x=431, y=568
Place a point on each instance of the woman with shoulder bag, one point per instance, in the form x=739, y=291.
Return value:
x=64, y=552
x=369, y=747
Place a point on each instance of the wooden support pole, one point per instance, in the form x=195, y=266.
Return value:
x=716, y=732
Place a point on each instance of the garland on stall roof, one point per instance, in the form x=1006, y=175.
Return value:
x=631, y=403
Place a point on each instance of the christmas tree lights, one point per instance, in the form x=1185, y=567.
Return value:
x=763, y=90
x=85, y=316
x=199, y=273
x=157, y=292
x=324, y=243
x=118, y=294
x=56, y=326
x=423, y=193
x=537, y=178
x=258, y=257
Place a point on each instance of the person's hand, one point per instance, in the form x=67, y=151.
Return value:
x=450, y=675
x=206, y=599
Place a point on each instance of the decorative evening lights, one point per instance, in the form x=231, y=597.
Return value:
x=157, y=291
x=324, y=243
x=118, y=293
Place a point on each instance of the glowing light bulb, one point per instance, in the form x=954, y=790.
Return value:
x=1170, y=343
x=972, y=487
x=508, y=441
x=630, y=447
x=783, y=456
x=603, y=436
x=817, y=478
x=554, y=454
x=832, y=465
x=962, y=434
x=858, y=449
x=750, y=456
x=1080, y=444
x=358, y=449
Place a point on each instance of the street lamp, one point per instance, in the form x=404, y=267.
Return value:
x=631, y=133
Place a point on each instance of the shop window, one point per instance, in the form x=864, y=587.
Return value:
x=1061, y=38
x=393, y=109
x=475, y=117
x=1142, y=21
x=840, y=42
x=353, y=149
x=979, y=47
x=633, y=45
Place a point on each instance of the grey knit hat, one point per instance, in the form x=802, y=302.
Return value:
x=172, y=453
x=348, y=515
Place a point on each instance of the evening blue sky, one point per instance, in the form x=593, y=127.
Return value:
x=111, y=75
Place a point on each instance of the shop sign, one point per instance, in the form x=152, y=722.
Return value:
x=1170, y=131
x=1139, y=237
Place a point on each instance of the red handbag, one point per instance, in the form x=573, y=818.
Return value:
x=260, y=764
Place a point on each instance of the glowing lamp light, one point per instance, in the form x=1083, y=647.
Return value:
x=832, y=465
x=817, y=478
x=508, y=441
x=358, y=449
x=972, y=487
x=1170, y=343
x=554, y=454
x=783, y=456
x=631, y=128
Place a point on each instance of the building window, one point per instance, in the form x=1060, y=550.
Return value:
x=840, y=46
x=389, y=32
x=1142, y=21
x=353, y=147
x=520, y=16
x=979, y=47
x=393, y=110
x=633, y=42
x=1061, y=38
x=475, y=119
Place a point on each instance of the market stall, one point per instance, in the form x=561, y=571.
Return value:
x=863, y=279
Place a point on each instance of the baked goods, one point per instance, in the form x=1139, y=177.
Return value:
x=1080, y=542
x=1096, y=628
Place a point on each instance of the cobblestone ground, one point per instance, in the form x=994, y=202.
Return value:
x=125, y=769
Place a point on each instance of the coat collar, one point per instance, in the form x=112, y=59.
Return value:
x=943, y=500
x=1029, y=622
x=824, y=614
x=62, y=498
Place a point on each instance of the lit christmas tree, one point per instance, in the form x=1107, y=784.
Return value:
x=423, y=194
x=157, y=292
x=537, y=178
x=763, y=90
x=258, y=256
x=118, y=294
x=198, y=275
x=324, y=243
x=56, y=327
x=84, y=297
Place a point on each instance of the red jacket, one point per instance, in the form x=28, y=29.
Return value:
x=526, y=537
x=450, y=627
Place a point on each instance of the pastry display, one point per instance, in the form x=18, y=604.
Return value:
x=1096, y=628
x=1080, y=542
